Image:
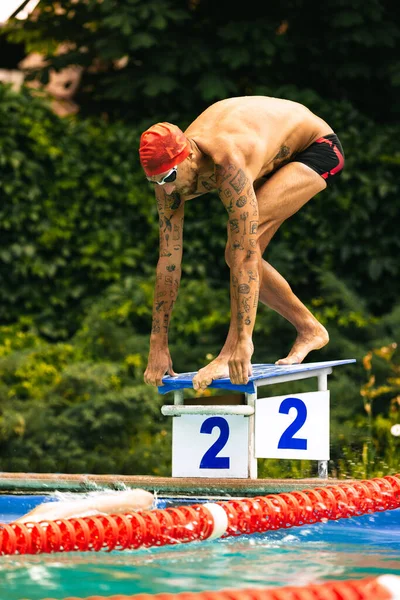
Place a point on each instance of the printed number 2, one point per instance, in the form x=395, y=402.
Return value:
x=210, y=459
x=287, y=440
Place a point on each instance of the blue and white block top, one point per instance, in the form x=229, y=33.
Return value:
x=260, y=371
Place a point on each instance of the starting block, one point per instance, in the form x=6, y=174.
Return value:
x=223, y=436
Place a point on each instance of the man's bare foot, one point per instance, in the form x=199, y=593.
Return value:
x=216, y=369
x=305, y=342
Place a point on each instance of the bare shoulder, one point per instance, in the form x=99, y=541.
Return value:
x=229, y=128
x=243, y=112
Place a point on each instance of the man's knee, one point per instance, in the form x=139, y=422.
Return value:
x=255, y=253
x=266, y=231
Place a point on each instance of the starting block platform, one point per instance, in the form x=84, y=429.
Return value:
x=222, y=436
x=261, y=373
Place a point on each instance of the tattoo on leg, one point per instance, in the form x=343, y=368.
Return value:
x=244, y=288
x=234, y=225
x=177, y=233
x=252, y=276
x=234, y=286
x=165, y=324
x=156, y=326
x=229, y=207
x=227, y=194
x=239, y=181
x=255, y=300
x=222, y=173
x=243, y=217
x=238, y=245
x=246, y=305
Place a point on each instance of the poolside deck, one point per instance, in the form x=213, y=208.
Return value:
x=163, y=486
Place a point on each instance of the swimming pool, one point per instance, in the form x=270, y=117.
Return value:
x=350, y=548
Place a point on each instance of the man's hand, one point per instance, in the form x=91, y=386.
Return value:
x=240, y=362
x=158, y=364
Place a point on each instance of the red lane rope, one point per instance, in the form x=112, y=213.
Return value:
x=362, y=589
x=188, y=523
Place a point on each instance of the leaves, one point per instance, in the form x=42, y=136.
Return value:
x=345, y=49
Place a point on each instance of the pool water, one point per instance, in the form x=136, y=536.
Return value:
x=347, y=549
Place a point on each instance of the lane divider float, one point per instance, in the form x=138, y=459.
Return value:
x=384, y=587
x=183, y=524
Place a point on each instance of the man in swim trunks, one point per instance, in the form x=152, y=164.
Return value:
x=266, y=157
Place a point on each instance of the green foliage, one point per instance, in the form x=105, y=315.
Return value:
x=82, y=406
x=152, y=61
x=71, y=207
x=76, y=215
x=65, y=413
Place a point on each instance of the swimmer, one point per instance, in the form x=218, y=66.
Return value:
x=265, y=157
x=98, y=503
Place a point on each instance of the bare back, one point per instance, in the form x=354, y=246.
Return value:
x=262, y=131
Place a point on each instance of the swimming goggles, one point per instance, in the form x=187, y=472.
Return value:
x=169, y=177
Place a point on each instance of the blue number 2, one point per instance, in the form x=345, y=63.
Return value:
x=287, y=440
x=210, y=459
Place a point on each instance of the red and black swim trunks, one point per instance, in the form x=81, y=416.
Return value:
x=325, y=156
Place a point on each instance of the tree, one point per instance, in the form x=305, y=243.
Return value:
x=169, y=59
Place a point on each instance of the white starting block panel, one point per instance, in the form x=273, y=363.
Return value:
x=293, y=426
x=203, y=446
x=226, y=440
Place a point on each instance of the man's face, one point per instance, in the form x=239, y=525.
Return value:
x=181, y=178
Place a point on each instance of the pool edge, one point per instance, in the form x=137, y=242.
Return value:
x=51, y=482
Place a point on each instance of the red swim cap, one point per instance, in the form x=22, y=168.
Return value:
x=162, y=146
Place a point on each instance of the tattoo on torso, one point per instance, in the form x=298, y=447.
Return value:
x=283, y=155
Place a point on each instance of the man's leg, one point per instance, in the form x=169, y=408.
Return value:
x=276, y=293
x=281, y=196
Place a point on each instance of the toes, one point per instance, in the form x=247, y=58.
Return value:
x=201, y=385
x=293, y=360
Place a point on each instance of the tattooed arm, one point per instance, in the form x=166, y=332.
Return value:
x=237, y=194
x=168, y=274
x=235, y=188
